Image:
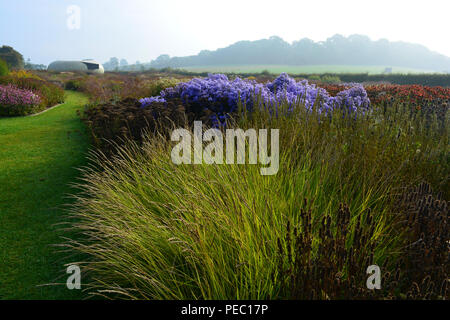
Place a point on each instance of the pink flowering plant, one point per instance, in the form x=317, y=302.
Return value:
x=18, y=102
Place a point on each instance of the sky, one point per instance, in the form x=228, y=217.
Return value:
x=141, y=30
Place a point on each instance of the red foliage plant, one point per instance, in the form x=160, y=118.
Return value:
x=379, y=93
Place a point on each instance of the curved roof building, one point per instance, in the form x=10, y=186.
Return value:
x=88, y=66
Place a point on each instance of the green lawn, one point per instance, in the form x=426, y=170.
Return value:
x=38, y=160
x=277, y=69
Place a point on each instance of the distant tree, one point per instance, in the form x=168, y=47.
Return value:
x=32, y=66
x=163, y=58
x=138, y=66
x=3, y=68
x=123, y=62
x=112, y=64
x=337, y=50
x=13, y=58
x=163, y=61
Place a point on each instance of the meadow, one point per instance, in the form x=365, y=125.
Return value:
x=363, y=180
x=309, y=69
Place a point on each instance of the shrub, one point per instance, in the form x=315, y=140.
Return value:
x=73, y=84
x=18, y=102
x=225, y=95
x=126, y=119
x=22, y=74
x=330, y=79
x=314, y=77
x=155, y=87
x=50, y=94
x=3, y=68
x=13, y=58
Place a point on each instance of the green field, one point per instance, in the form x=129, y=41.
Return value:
x=312, y=69
x=39, y=156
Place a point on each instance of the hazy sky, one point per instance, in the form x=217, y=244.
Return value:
x=144, y=29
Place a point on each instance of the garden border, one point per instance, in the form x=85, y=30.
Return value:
x=43, y=111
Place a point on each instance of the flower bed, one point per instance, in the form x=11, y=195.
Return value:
x=116, y=87
x=380, y=93
x=18, y=102
x=212, y=100
x=49, y=93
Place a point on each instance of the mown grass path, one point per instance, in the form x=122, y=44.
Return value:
x=38, y=160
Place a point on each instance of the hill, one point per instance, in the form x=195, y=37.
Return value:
x=355, y=50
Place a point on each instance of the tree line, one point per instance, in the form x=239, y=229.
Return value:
x=336, y=50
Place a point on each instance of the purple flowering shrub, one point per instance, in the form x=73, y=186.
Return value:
x=148, y=101
x=353, y=99
x=49, y=93
x=222, y=96
x=15, y=101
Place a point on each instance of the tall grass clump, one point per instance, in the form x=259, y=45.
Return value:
x=151, y=229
